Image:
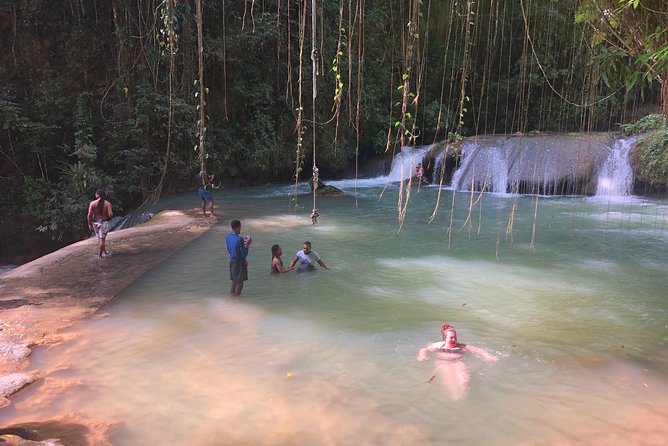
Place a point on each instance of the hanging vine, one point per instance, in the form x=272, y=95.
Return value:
x=299, y=126
x=314, y=72
x=405, y=126
x=201, y=123
x=168, y=39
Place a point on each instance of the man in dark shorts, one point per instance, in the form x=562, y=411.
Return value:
x=204, y=187
x=237, y=246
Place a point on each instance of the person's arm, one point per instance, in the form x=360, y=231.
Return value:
x=481, y=353
x=422, y=354
x=431, y=347
x=90, y=216
x=293, y=263
x=318, y=259
x=110, y=211
x=279, y=266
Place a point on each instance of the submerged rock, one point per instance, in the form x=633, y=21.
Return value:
x=71, y=430
x=12, y=383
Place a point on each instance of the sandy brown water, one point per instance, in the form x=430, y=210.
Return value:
x=41, y=299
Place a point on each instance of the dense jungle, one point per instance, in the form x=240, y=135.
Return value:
x=138, y=96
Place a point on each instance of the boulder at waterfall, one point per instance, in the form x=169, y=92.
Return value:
x=325, y=190
x=533, y=164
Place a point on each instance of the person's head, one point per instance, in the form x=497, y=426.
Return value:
x=449, y=335
x=276, y=251
x=236, y=226
x=307, y=247
x=419, y=165
x=99, y=193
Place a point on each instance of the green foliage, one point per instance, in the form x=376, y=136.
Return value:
x=631, y=36
x=645, y=124
x=84, y=149
x=87, y=97
x=652, y=157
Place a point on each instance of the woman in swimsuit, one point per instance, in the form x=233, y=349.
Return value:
x=276, y=262
x=449, y=364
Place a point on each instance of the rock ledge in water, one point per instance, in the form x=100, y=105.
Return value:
x=12, y=383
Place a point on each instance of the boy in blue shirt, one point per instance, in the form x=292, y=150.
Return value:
x=237, y=246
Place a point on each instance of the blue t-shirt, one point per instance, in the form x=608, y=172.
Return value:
x=307, y=261
x=236, y=247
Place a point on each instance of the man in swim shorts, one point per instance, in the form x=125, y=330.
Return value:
x=307, y=259
x=99, y=213
x=237, y=246
x=204, y=186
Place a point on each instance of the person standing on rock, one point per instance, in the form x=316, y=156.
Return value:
x=204, y=186
x=237, y=246
x=99, y=213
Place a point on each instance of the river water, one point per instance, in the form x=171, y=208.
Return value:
x=569, y=292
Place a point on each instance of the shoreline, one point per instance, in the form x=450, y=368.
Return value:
x=40, y=299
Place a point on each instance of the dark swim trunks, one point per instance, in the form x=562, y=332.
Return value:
x=238, y=270
x=205, y=195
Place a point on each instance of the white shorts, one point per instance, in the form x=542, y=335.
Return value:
x=100, y=228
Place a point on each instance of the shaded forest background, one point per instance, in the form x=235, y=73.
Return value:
x=107, y=93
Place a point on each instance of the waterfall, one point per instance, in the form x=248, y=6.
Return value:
x=615, y=178
x=534, y=164
x=486, y=169
x=405, y=161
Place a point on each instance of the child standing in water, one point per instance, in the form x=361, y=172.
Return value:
x=276, y=262
x=237, y=246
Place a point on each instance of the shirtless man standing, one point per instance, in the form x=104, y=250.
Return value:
x=99, y=211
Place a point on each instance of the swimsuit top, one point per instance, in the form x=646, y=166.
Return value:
x=444, y=349
x=451, y=350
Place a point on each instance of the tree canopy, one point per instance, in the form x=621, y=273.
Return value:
x=122, y=95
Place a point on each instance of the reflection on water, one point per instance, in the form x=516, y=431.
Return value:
x=578, y=318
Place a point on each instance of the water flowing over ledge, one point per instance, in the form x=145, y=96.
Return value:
x=569, y=164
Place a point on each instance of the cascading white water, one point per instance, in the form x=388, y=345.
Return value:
x=615, y=179
x=545, y=164
x=405, y=161
x=438, y=162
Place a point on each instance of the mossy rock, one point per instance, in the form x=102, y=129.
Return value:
x=325, y=190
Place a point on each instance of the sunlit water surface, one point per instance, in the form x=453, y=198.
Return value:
x=570, y=293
